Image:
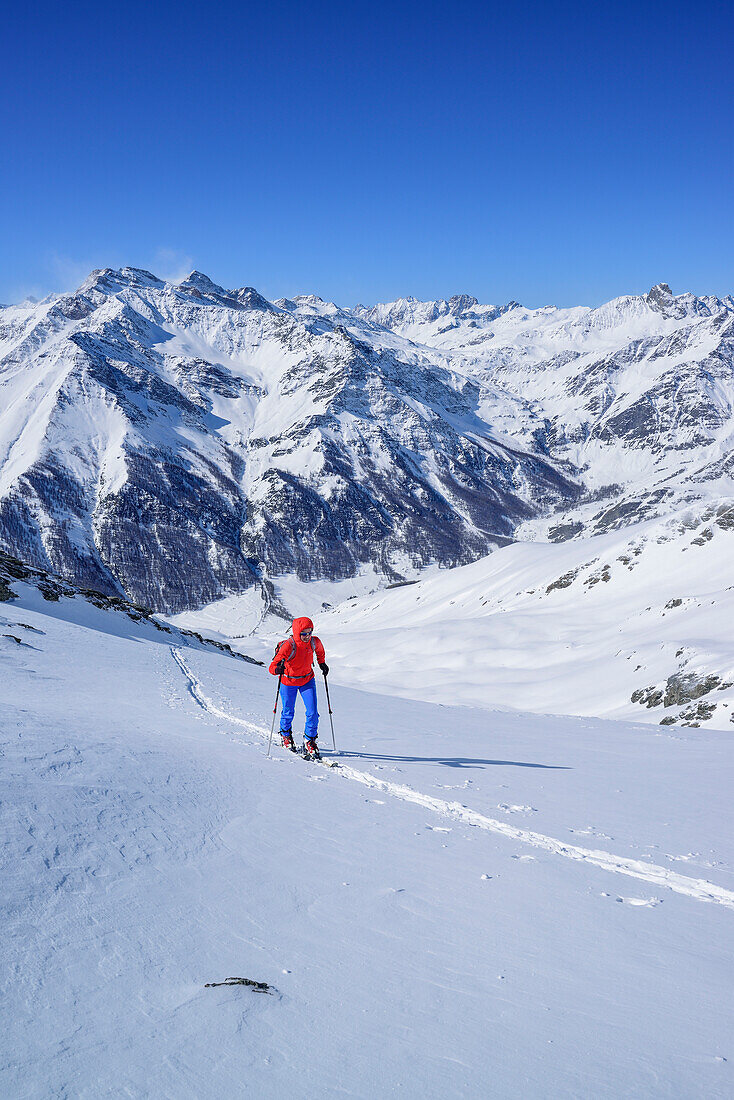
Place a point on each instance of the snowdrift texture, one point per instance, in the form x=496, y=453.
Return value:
x=473, y=905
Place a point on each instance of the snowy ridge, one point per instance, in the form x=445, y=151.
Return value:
x=145, y=423
x=700, y=889
x=636, y=395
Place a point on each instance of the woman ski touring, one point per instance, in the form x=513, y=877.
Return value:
x=293, y=662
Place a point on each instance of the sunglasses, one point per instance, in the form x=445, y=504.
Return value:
x=306, y=633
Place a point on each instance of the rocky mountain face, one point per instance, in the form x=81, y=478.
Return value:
x=634, y=397
x=180, y=442
x=177, y=443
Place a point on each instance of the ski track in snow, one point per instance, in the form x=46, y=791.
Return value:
x=700, y=889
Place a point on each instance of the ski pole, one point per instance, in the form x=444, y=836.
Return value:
x=328, y=700
x=275, y=708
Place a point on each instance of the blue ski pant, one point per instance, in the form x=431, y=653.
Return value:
x=288, y=696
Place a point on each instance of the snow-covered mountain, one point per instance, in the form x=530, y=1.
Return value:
x=636, y=395
x=179, y=443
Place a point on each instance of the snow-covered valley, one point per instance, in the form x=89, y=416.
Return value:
x=475, y=903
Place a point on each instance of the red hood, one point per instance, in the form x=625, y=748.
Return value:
x=303, y=623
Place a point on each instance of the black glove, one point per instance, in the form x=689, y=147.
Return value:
x=280, y=668
x=324, y=667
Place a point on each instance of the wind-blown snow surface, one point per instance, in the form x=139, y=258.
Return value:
x=475, y=904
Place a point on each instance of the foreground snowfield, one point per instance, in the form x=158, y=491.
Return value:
x=477, y=904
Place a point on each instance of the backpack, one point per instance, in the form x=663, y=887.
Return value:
x=292, y=653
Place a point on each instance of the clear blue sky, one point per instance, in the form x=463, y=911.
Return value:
x=547, y=152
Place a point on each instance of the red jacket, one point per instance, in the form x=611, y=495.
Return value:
x=298, y=655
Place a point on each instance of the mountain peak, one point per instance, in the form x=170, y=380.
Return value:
x=201, y=286
x=459, y=303
x=102, y=279
x=660, y=297
x=108, y=280
x=250, y=298
x=680, y=306
x=200, y=281
x=138, y=276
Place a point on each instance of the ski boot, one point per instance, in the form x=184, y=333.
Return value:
x=287, y=738
x=311, y=749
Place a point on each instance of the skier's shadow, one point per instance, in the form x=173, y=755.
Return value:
x=456, y=761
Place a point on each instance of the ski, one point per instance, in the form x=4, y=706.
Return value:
x=308, y=757
x=311, y=759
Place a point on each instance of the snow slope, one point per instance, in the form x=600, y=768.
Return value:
x=613, y=626
x=634, y=624
x=477, y=903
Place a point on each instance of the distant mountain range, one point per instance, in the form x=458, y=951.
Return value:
x=176, y=443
